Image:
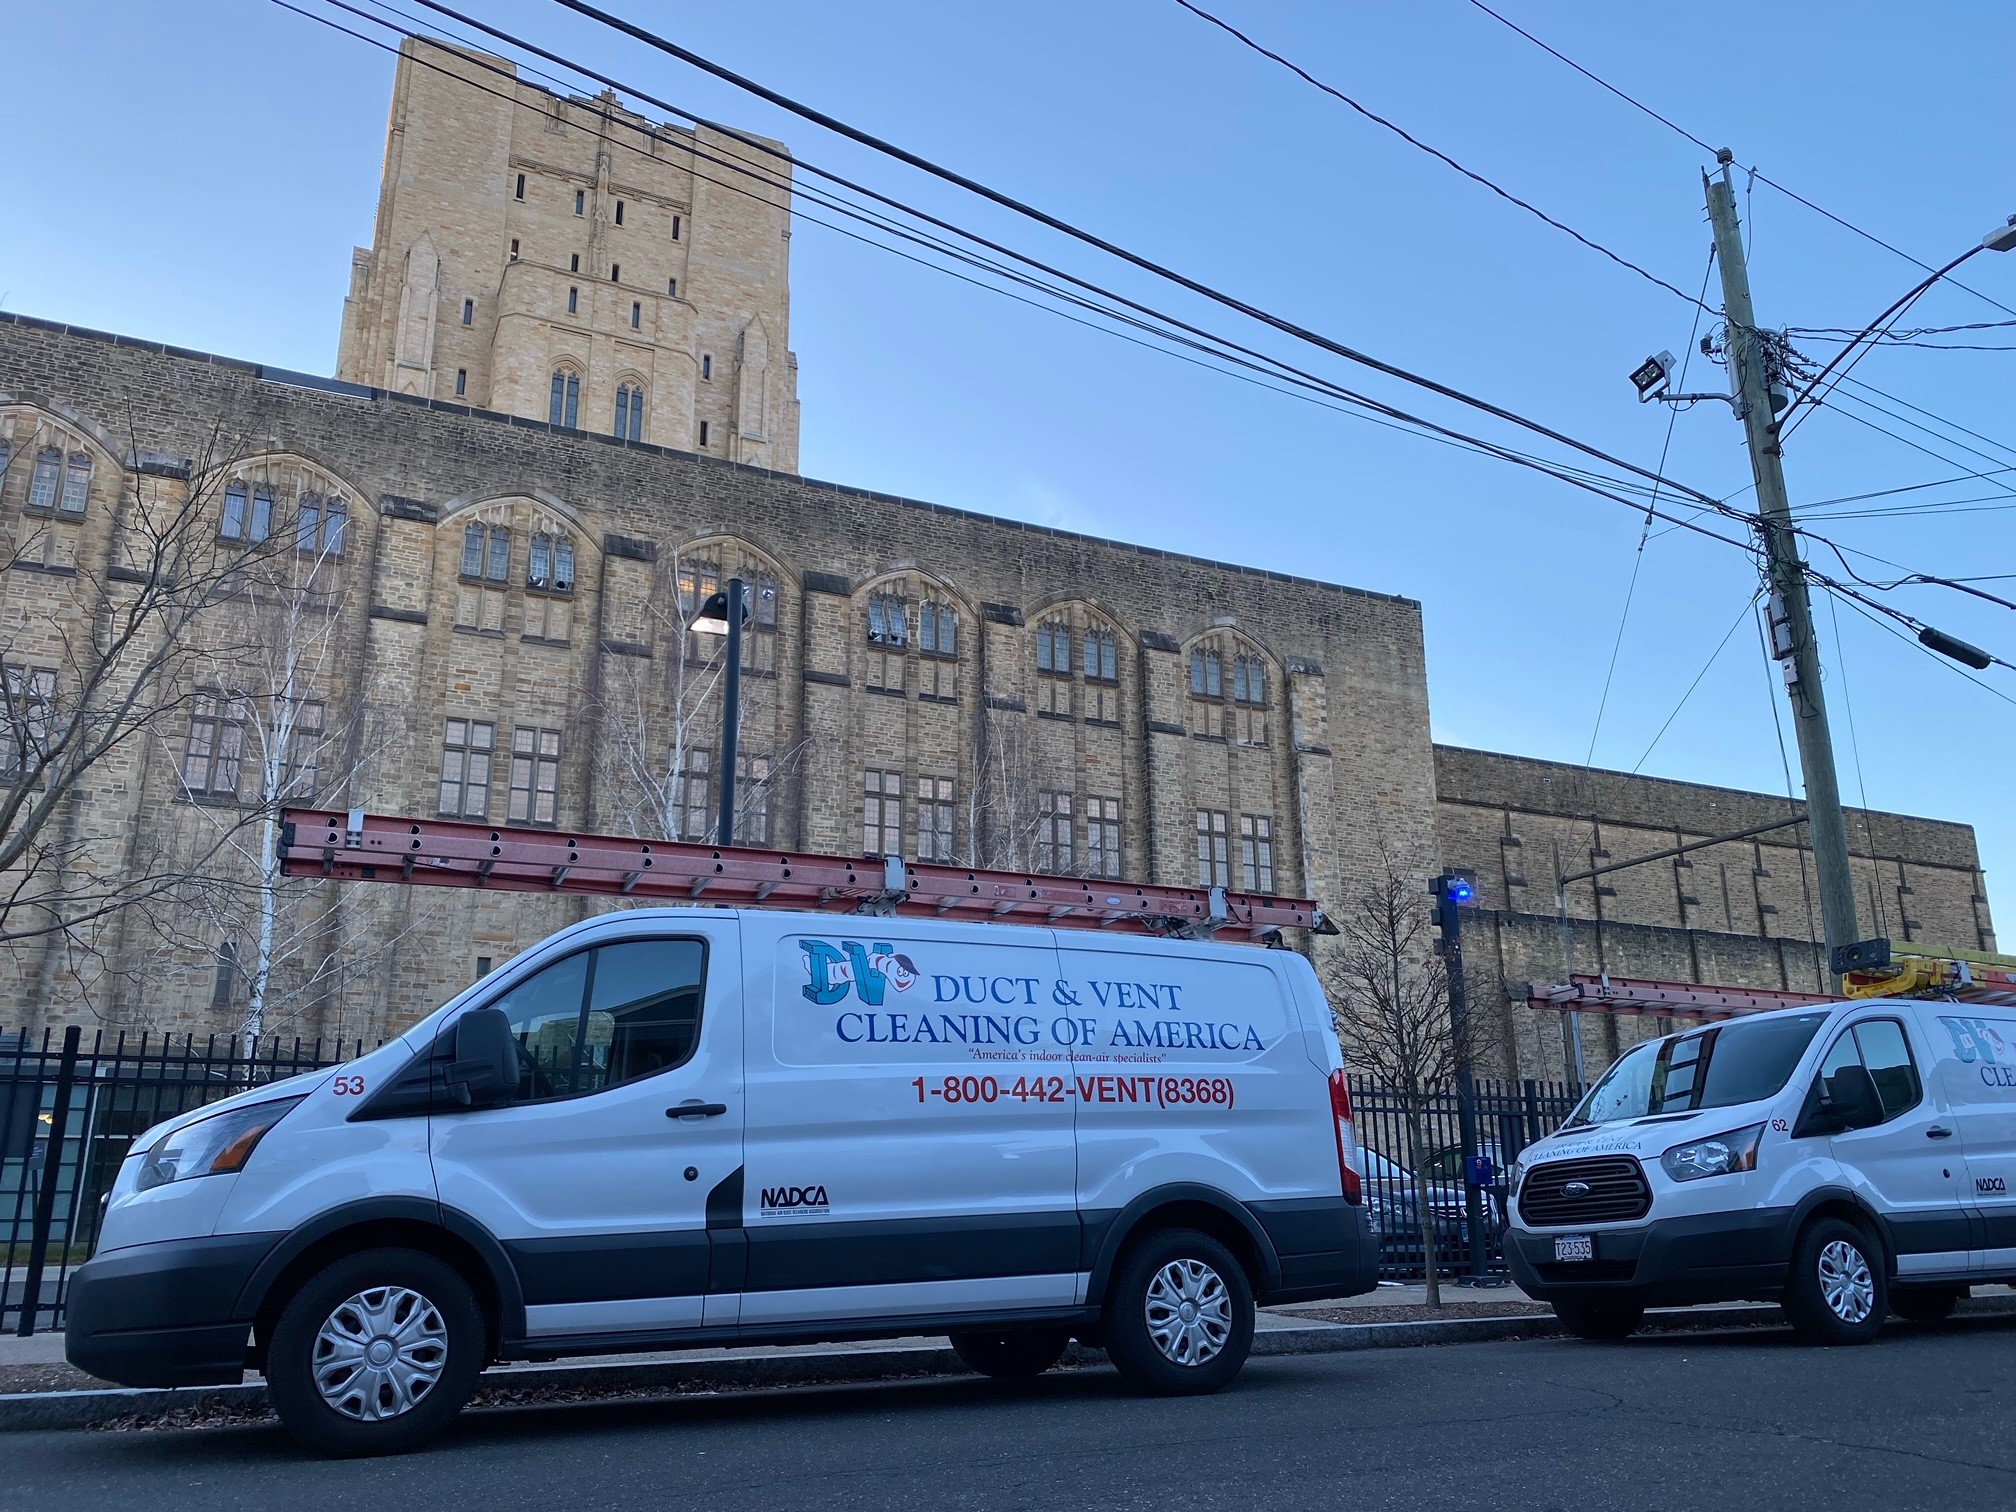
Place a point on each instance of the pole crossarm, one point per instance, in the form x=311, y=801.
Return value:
x=360, y=847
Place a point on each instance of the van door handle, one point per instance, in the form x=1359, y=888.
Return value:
x=696, y=1109
x=1938, y=1131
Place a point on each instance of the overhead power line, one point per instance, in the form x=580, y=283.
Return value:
x=1440, y=156
x=1637, y=104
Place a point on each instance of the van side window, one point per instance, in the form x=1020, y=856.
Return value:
x=607, y=1016
x=1880, y=1046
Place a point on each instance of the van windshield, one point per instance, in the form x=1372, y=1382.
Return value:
x=1716, y=1067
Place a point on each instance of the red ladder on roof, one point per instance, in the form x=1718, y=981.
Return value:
x=362, y=847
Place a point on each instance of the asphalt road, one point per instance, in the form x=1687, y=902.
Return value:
x=1723, y=1421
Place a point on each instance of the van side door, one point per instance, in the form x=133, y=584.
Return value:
x=595, y=1179
x=1909, y=1166
x=1976, y=1046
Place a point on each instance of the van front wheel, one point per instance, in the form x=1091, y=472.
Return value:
x=375, y=1353
x=1179, y=1320
x=1013, y=1354
x=1836, y=1293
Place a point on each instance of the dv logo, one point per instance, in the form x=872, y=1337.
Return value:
x=1974, y=1040
x=868, y=969
x=1990, y=1184
x=793, y=1199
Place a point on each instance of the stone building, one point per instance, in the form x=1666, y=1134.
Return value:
x=568, y=260
x=502, y=633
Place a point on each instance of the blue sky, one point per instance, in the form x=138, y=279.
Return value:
x=198, y=173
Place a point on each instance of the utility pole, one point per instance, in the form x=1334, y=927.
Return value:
x=1791, y=612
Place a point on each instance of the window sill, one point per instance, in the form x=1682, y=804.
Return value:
x=210, y=800
x=1213, y=739
x=53, y=512
x=535, y=591
x=478, y=630
x=468, y=581
x=890, y=692
x=53, y=569
x=537, y=640
x=1104, y=724
x=1053, y=714
x=938, y=698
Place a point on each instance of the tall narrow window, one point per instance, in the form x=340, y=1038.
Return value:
x=1102, y=837
x=580, y=201
x=1101, y=663
x=703, y=435
x=699, y=580
x=335, y=524
x=1053, y=832
x=619, y=212
x=232, y=525
x=514, y=249
x=574, y=263
x=27, y=717
x=938, y=645
x=752, y=800
x=535, y=776
x=1207, y=673
x=498, y=568
x=216, y=750
x=1256, y=852
x=486, y=552
x=76, y=484
x=46, y=479
x=1249, y=698
x=629, y=413
x=881, y=813
x=934, y=819
x=262, y=515
x=563, y=407
x=308, y=525
x=468, y=312
x=301, y=749
x=466, y=748
x=671, y=288
x=461, y=382
x=1214, y=849
x=888, y=620
x=615, y=272
x=563, y=565
x=1053, y=668
x=549, y=564
x=675, y=228
x=636, y=314
x=693, y=797
x=519, y=194
x=573, y=300
x=707, y=367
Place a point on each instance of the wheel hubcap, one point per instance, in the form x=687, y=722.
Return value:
x=378, y=1354
x=1189, y=1312
x=1846, y=1283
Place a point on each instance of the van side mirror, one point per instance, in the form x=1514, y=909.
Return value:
x=1852, y=1100
x=485, y=1069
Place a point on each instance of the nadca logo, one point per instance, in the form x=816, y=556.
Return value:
x=793, y=1199
x=869, y=971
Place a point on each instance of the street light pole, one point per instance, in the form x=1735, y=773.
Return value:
x=731, y=710
x=1451, y=891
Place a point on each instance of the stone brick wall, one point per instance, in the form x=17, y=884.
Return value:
x=635, y=257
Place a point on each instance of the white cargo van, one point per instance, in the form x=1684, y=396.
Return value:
x=698, y=1127
x=1845, y=1160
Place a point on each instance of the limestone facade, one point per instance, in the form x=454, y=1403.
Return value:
x=569, y=260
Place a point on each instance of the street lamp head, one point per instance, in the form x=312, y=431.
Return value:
x=713, y=616
x=2002, y=238
x=1652, y=375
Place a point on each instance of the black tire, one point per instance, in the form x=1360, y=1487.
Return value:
x=368, y=1296
x=1184, y=1267
x=1604, y=1319
x=1926, y=1304
x=1012, y=1354
x=1836, y=1292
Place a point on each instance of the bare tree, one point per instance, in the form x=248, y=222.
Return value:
x=1390, y=994
x=1004, y=808
x=94, y=659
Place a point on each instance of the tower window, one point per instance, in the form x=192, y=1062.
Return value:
x=671, y=288
x=703, y=433
x=629, y=413
x=461, y=382
x=675, y=228
x=573, y=300
x=636, y=315
x=514, y=249
x=519, y=194
x=580, y=201
x=707, y=366
x=468, y=312
x=565, y=405
x=615, y=272
x=619, y=212
x=574, y=263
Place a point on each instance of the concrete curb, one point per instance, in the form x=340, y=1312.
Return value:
x=38, y=1411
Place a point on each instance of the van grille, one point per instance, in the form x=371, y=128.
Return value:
x=1618, y=1192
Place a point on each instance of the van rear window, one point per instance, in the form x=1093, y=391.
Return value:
x=1717, y=1067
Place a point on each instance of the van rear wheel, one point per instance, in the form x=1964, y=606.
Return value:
x=1012, y=1354
x=1836, y=1292
x=375, y=1353
x=1179, y=1319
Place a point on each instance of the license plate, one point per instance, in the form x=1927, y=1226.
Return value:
x=1574, y=1247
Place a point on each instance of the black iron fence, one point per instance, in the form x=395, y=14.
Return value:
x=72, y=1105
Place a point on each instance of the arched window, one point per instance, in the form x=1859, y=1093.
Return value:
x=549, y=565
x=938, y=646
x=629, y=413
x=564, y=407
x=1053, y=667
x=486, y=552
x=43, y=483
x=76, y=484
x=322, y=526
x=1077, y=650
x=1249, y=698
x=888, y=641
x=1207, y=673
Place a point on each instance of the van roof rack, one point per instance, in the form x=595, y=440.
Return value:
x=360, y=847
x=1960, y=976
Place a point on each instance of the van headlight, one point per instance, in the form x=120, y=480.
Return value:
x=211, y=1146
x=1717, y=1155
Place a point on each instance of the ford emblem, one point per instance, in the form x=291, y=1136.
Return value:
x=1575, y=1189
